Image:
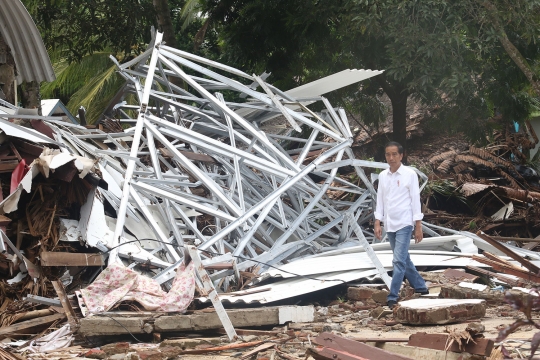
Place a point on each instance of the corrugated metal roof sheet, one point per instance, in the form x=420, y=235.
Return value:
x=23, y=37
x=289, y=288
x=361, y=261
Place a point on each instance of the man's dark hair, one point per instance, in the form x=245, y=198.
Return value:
x=396, y=144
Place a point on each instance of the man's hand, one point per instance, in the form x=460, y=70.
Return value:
x=418, y=234
x=378, y=230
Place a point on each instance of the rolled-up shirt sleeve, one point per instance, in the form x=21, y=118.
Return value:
x=379, y=209
x=415, y=199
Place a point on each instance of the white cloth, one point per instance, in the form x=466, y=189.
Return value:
x=398, y=199
x=59, y=339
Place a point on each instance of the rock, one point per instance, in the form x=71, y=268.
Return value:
x=323, y=311
x=95, y=354
x=151, y=355
x=360, y=293
x=116, y=348
x=249, y=338
x=375, y=313
x=475, y=328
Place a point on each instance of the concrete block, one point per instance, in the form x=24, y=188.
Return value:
x=439, y=311
x=460, y=292
x=360, y=293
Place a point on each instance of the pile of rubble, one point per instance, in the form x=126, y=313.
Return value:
x=195, y=198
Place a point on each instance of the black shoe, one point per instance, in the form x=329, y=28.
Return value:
x=425, y=292
x=391, y=304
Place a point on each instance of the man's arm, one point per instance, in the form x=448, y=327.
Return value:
x=379, y=210
x=416, y=208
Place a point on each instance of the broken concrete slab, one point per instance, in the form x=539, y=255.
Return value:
x=438, y=311
x=157, y=322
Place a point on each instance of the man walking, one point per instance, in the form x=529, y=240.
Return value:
x=398, y=207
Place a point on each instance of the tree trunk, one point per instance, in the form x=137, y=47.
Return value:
x=30, y=95
x=7, y=73
x=399, y=119
x=165, y=22
x=510, y=49
x=398, y=97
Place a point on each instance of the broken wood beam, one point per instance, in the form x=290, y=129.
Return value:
x=337, y=347
x=477, y=346
x=34, y=314
x=49, y=258
x=510, y=270
x=258, y=349
x=66, y=305
x=501, y=277
x=507, y=238
x=111, y=324
x=26, y=326
x=418, y=353
x=526, y=263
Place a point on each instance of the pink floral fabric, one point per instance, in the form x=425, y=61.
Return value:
x=118, y=283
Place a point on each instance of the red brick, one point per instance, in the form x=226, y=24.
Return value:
x=95, y=354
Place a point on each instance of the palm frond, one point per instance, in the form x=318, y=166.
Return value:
x=190, y=12
x=96, y=94
x=72, y=77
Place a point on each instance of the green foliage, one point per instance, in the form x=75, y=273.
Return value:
x=446, y=190
x=81, y=27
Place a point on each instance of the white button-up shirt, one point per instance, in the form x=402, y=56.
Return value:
x=398, y=199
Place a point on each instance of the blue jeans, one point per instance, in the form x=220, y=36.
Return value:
x=403, y=266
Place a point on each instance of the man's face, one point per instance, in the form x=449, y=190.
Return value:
x=393, y=157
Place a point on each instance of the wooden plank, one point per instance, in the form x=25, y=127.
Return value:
x=419, y=353
x=526, y=263
x=258, y=349
x=481, y=346
x=501, y=277
x=109, y=325
x=498, y=259
x=49, y=258
x=342, y=348
x=508, y=269
x=332, y=354
x=30, y=324
x=66, y=305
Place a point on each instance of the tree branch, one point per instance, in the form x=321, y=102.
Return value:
x=509, y=47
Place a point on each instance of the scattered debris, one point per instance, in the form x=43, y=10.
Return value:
x=118, y=231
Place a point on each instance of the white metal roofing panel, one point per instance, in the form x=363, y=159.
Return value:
x=48, y=106
x=361, y=261
x=293, y=287
x=23, y=133
x=332, y=82
x=430, y=243
x=22, y=36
